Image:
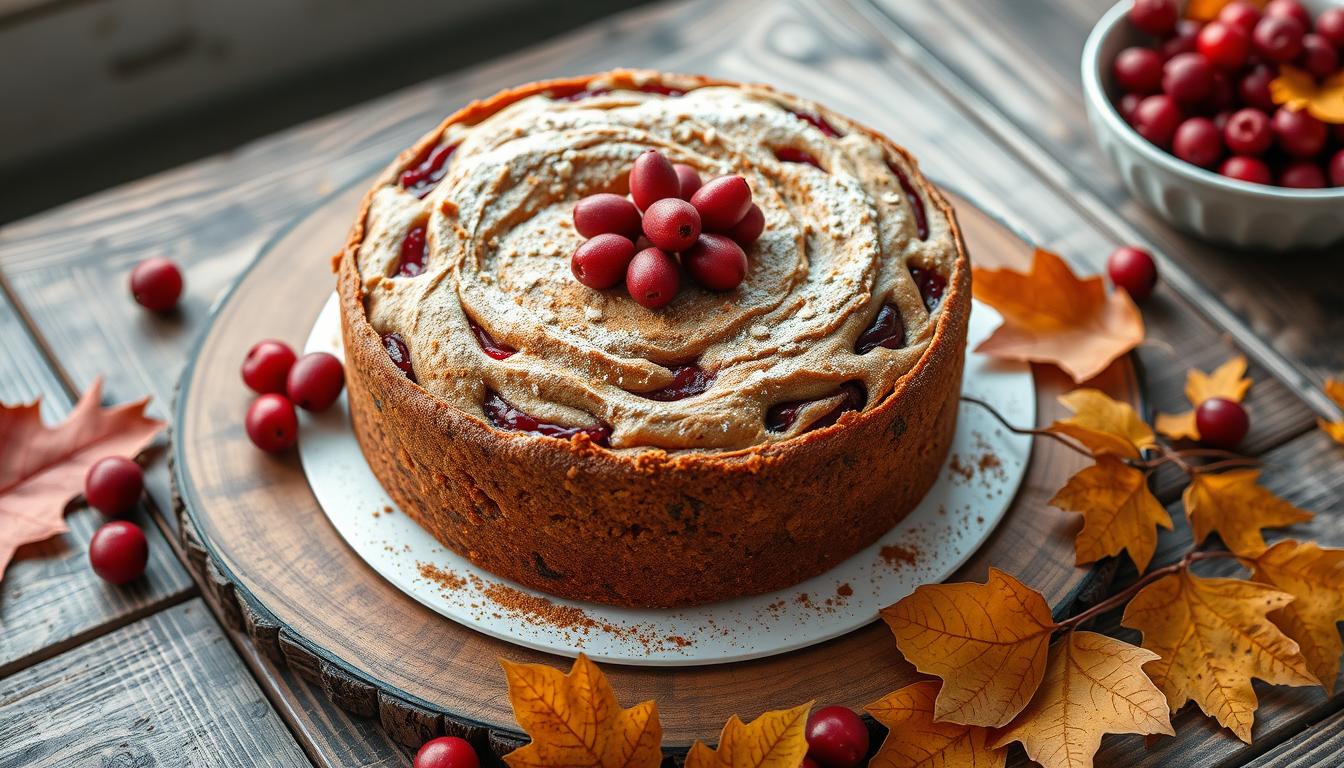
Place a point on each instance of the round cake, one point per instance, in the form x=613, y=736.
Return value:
x=729, y=443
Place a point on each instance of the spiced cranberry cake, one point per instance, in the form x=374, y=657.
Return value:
x=729, y=442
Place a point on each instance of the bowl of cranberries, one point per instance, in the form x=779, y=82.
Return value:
x=1184, y=110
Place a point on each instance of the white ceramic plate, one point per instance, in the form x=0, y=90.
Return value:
x=985, y=466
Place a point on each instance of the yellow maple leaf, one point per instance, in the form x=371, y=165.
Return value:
x=1227, y=381
x=1052, y=316
x=1213, y=636
x=1237, y=507
x=1093, y=685
x=1207, y=10
x=575, y=722
x=1334, y=388
x=916, y=740
x=1315, y=578
x=1298, y=90
x=986, y=641
x=1119, y=512
x=1103, y=424
x=776, y=739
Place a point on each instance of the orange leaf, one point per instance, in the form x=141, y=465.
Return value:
x=1051, y=316
x=1315, y=579
x=1297, y=90
x=1213, y=637
x=1104, y=425
x=575, y=722
x=916, y=740
x=1207, y=10
x=1119, y=512
x=1093, y=685
x=1334, y=388
x=774, y=740
x=1227, y=381
x=1237, y=507
x=42, y=468
x=986, y=641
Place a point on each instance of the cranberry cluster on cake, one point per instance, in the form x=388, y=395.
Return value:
x=727, y=442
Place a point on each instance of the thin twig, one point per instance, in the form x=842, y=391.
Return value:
x=1023, y=431
x=1124, y=595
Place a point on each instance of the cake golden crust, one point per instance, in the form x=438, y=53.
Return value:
x=651, y=527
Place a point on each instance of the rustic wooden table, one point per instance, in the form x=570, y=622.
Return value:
x=985, y=93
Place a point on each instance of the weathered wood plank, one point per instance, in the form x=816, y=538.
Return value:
x=1321, y=744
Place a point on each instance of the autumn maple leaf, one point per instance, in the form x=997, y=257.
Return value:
x=1119, y=512
x=1237, y=507
x=1297, y=90
x=916, y=740
x=1104, y=425
x=1227, y=381
x=1207, y=10
x=1334, y=389
x=1315, y=578
x=1052, y=316
x=42, y=468
x=776, y=739
x=986, y=641
x=1213, y=636
x=1093, y=685
x=574, y=720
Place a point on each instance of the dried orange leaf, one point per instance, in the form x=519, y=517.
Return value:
x=1213, y=636
x=916, y=740
x=1237, y=507
x=1207, y=10
x=986, y=641
x=1315, y=578
x=575, y=722
x=1119, y=512
x=1334, y=388
x=1052, y=316
x=1093, y=685
x=1298, y=90
x=1104, y=425
x=774, y=740
x=1227, y=381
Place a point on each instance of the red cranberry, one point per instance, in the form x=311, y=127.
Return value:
x=687, y=381
x=156, y=284
x=671, y=224
x=795, y=155
x=504, y=415
x=1289, y=9
x=653, y=278
x=1330, y=25
x=446, y=752
x=1248, y=169
x=818, y=122
x=1302, y=174
x=113, y=485
x=119, y=552
x=271, y=423
x=1138, y=70
x=688, y=178
x=1319, y=56
x=1299, y=134
x=1222, y=423
x=1134, y=270
x=1336, y=166
x=1240, y=14
x=781, y=416
x=1278, y=38
x=1254, y=88
x=600, y=263
x=1224, y=45
x=414, y=252
x=606, y=213
x=1156, y=17
x=400, y=354
x=1198, y=141
x=1156, y=119
x=716, y=262
x=912, y=197
x=1222, y=96
x=1188, y=78
x=428, y=171
x=931, y=285
x=836, y=737
x=722, y=202
x=1183, y=40
x=267, y=365
x=315, y=381
x=810, y=763
x=652, y=178
x=1247, y=132
x=749, y=229
x=1129, y=104
x=887, y=330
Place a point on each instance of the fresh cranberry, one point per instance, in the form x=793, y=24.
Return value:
x=810, y=763
x=1319, y=56
x=1222, y=423
x=652, y=178
x=606, y=213
x=1302, y=174
x=156, y=284
x=912, y=197
x=1299, y=134
x=414, y=252
x=1336, y=166
x=836, y=737
x=1224, y=45
x=671, y=224
x=1134, y=270
x=653, y=278
x=1138, y=70
x=887, y=330
x=818, y=122
x=504, y=415
x=1247, y=132
x=1330, y=25
x=600, y=263
x=1289, y=9
x=1198, y=141
x=1129, y=104
x=749, y=229
x=1156, y=119
x=1188, y=78
x=931, y=285
x=315, y=381
x=119, y=552
x=1156, y=17
x=1221, y=120
x=722, y=202
x=113, y=485
x=781, y=416
x=1185, y=39
x=271, y=423
x=688, y=180
x=446, y=752
x=716, y=262
x=1222, y=96
x=1278, y=38
x=1240, y=14
x=1254, y=88
x=428, y=170
x=400, y=354
x=266, y=366
x=687, y=381
x=1248, y=169
x=795, y=155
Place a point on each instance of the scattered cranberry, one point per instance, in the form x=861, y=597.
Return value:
x=1156, y=17
x=156, y=284
x=1129, y=104
x=446, y=752
x=887, y=330
x=271, y=423
x=505, y=415
x=315, y=381
x=1138, y=70
x=1156, y=119
x=1302, y=174
x=119, y=552
x=600, y=263
x=1330, y=25
x=427, y=171
x=1188, y=78
x=836, y=737
x=716, y=262
x=749, y=229
x=722, y=202
x=1224, y=45
x=1134, y=270
x=1278, y=38
x=1254, y=88
x=1299, y=134
x=414, y=251
x=652, y=178
x=1184, y=40
x=1240, y=14
x=113, y=485
x=1319, y=56
x=1248, y=169
x=267, y=365
x=931, y=285
x=1289, y=9
x=1336, y=168
x=606, y=213
x=689, y=179
x=653, y=278
x=400, y=354
x=1247, y=132
x=1222, y=423
x=1222, y=96
x=1198, y=141
x=671, y=224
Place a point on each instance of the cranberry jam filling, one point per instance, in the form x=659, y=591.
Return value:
x=428, y=171
x=400, y=355
x=782, y=415
x=793, y=155
x=687, y=381
x=887, y=330
x=930, y=284
x=916, y=202
x=580, y=94
x=414, y=251
x=820, y=122
x=503, y=415
x=488, y=344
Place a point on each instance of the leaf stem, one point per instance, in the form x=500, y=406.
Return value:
x=1124, y=595
x=1062, y=440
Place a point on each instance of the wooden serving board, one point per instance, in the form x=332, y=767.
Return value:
x=252, y=528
